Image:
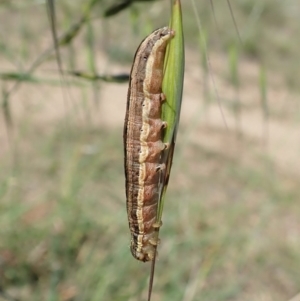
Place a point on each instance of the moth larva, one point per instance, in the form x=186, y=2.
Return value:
x=143, y=144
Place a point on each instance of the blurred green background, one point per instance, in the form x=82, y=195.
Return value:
x=231, y=218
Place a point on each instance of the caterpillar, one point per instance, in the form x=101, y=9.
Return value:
x=143, y=146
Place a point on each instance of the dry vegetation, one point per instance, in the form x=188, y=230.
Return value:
x=231, y=219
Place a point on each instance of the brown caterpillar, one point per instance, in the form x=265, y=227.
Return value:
x=143, y=144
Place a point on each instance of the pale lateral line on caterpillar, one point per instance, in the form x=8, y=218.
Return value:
x=143, y=144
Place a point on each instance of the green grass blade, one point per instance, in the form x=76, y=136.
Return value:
x=172, y=88
x=233, y=65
